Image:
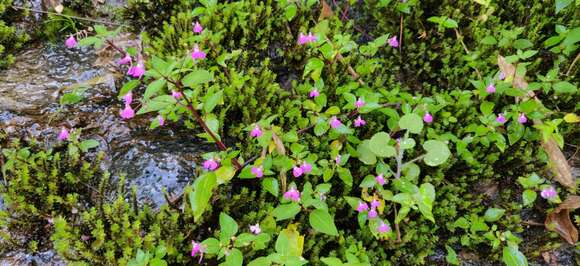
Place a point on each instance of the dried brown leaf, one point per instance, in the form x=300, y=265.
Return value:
x=279, y=144
x=326, y=11
x=559, y=220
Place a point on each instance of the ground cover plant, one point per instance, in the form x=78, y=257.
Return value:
x=345, y=133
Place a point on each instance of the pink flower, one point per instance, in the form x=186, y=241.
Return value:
x=128, y=112
x=258, y=171
x=210, y=164
x=311, y=37
x=256, y=132
x=393, y=42
x=359, y=103
x=176, y=94
x=314, y=93
x=373, y=213
x=337, y=159
x=306, y=168
x=197, y=28
x=428, y=118
x=292, y=194
x=501, y=75
x=255, y=229
x=334, y=122
x=125, y=60
x=522, y=118
x=63, y=135
x=375, y=203
x=490, y=88
x=161, y=120
x=297, y=171
x=128, y=98
x=380, y=179
x=304, y=39
x=136, y=71
x=362, y=207
x=383, y=228
x=501, y=119
x=71, y=42
x=549, y=193
x=197, y=54
x=359, y=122
x=196, y=249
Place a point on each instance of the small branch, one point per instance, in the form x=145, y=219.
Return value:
x=572, y=65
x=401, y=34
x=528, y=222
x=414, y=160
x=110, y=43
x=397, y=226
x=67, y=16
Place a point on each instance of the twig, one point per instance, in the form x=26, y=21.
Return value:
x=397, y=226
x=532, y=223
x=572, y=65
x=414, y=160
x=401, y=34
x=68, y=16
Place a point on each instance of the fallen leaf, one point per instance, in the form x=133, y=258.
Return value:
x=558, y=163
x=559, y=220
x=279, y=144
x=326, y=11
x=59, y=8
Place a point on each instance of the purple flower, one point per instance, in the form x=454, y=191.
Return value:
x=393, y=42
x=334, y=122
x=337, y=159
x=373, y=213
x=380, y=179
x=128, y=98
x=196, y=249
x=258, y=171
x=501, y=75
x=136, y=71
x=71, y=42
x=375, y=203
x=255, y=229
x=197, y=53
x=522, y=118
x=176, y=94
x=63, y=135
x=311, y=37
x=428, y=118
x=383, y=228
x=359, y=122
x=304, y=39
x=549, y=193
x=490, y=88
x=256, y=132
x=314, y=93
x=297, y=171
x=362, y=207
x=501, y=119
x=306, y=168
x=125, y=60
x=210, y=164
x=197, y=28
x=292, y=194
x=359, y=103
x=127, y=112
x=161, y=120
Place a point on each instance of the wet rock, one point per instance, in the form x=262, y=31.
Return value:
x=22, y=258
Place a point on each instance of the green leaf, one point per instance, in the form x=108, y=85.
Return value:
x=314, y=68
x=486, y=108
x=379, y=145
x=71, y=98
x=493, y=214
x=522, y=44
x=286, y=211
x=564, y=87
x=529, y=196
x=129, y=86
x=224, y=174
x=321, y=127
x=261, y=261
x=271, y=185
x=211, y=245
x=345, y=175
x=425, y=201
x=450, y=23
x=412, y=122
x=153, y=88
x=560, y=5
x=323, y=222
x=365, y=153
x=212, y=101
x=332, y=261
x=202, y=191
x=197, y=77
x=451, y=257
x=85, y=145
x=290, y=242
x=513, y=257
x=290, y=11
x=234, y=258
x=437, y=152
x=228, y=227
x=489, y=40
x=515, y=132
x=157, y=103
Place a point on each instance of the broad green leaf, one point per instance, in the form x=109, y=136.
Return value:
x=561, y=4
x=234, y=258
x=290, y=242
x=211, y=101
x=365, y=154
x=314, y=68
x=379, y=145
x=85, y=145
x=271, y=185
x=153, y=88
x=528, y=197
x=412, y=122
x=286, y=211
x=197, y=77
x=202, y=191
x=564, y=87
x=290, y=11
x=228, y=227
x=224, y=174
x=323, y=222
x=157, y=103
x=129, y=86
x=261, y=261
x=493, y=214
x=437, y=152
x=211, y=245
x=451, y=257
x=426, y=199
x=513, y=257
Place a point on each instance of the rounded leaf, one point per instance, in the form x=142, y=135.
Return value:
x=437, y=152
